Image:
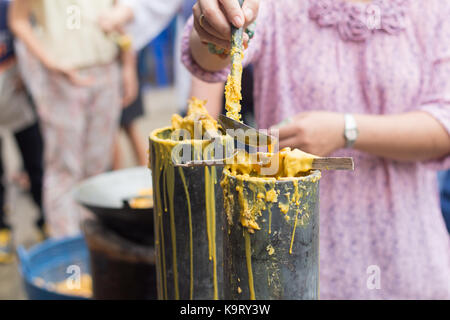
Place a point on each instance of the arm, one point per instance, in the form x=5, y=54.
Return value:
x=413, y=136
x=142, y=19
x=19, y=22
x=129, y=77
x=211, y=92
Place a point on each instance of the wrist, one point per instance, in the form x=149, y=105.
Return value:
x=50, y=65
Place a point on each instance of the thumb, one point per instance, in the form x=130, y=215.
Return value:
x=78, y=80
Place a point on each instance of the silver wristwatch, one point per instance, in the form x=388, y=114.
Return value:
x=351, y=130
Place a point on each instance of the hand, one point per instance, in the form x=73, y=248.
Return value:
x=213, y=19
x=115, y=19
x=130, y=85
x=71, y=74
x=18, y=83
x=320, y=133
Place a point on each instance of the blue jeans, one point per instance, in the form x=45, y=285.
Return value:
x=444, y=184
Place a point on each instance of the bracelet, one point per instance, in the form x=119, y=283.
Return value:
x=221, y=52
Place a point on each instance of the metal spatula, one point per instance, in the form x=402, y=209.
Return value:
x=241, y=131
x=326, y=163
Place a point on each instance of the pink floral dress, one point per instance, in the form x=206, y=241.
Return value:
x=382, y=235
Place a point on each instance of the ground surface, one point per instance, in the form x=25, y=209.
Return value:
x=159, y=104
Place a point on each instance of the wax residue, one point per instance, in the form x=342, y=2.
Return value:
x=290, y=163
x=256, y=194
x=144, y=200
x=170, y=180
x=270, y=250
x=246, y=167
x=210, y=177
x=191, y=241
x=197, y=121
x=233, y=94
x=248, y=173
x=81, y=289
x=157, y=170
x=164, y=142
x=248, y=255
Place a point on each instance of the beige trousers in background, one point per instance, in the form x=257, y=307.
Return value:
x=78, y=125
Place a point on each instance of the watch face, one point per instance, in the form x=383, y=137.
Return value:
x=352, y=135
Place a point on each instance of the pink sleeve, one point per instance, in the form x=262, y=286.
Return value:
x=437, y=96
x=250, y=55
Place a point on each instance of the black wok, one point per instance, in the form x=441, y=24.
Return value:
x=107, y=195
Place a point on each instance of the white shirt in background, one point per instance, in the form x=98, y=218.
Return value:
x=150, y=18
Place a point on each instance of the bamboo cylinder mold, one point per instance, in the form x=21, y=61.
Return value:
x=271, y=241
x=188, y=207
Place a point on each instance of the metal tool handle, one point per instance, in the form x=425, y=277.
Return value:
x=236, y=42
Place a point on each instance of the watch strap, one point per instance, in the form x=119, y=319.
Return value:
x=351, y=130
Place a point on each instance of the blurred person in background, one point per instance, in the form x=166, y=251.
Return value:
x=128, y=123
x=72, y=69
x=144, y=20
x=379, y=94
x=17, y=116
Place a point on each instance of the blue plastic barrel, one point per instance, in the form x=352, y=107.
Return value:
x=49, y=261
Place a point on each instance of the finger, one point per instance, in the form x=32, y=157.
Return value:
x=287, y=131
x=250, y=9
x=120, y=29
x=84, y=82
x=245, y=40
x=215, y=17
x=126, y=101
x=233, y=12
x=130, y=92
x=127, y=96
x=204, y=23
x=106, y=24
x=290, y=143
x=209, y=28
x=206, y=37
x=78, y=80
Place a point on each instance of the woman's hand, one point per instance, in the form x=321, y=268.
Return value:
x=18, y=82
x=72, y=75
x=115, y=19
x=213, y=19
x=319, y=132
